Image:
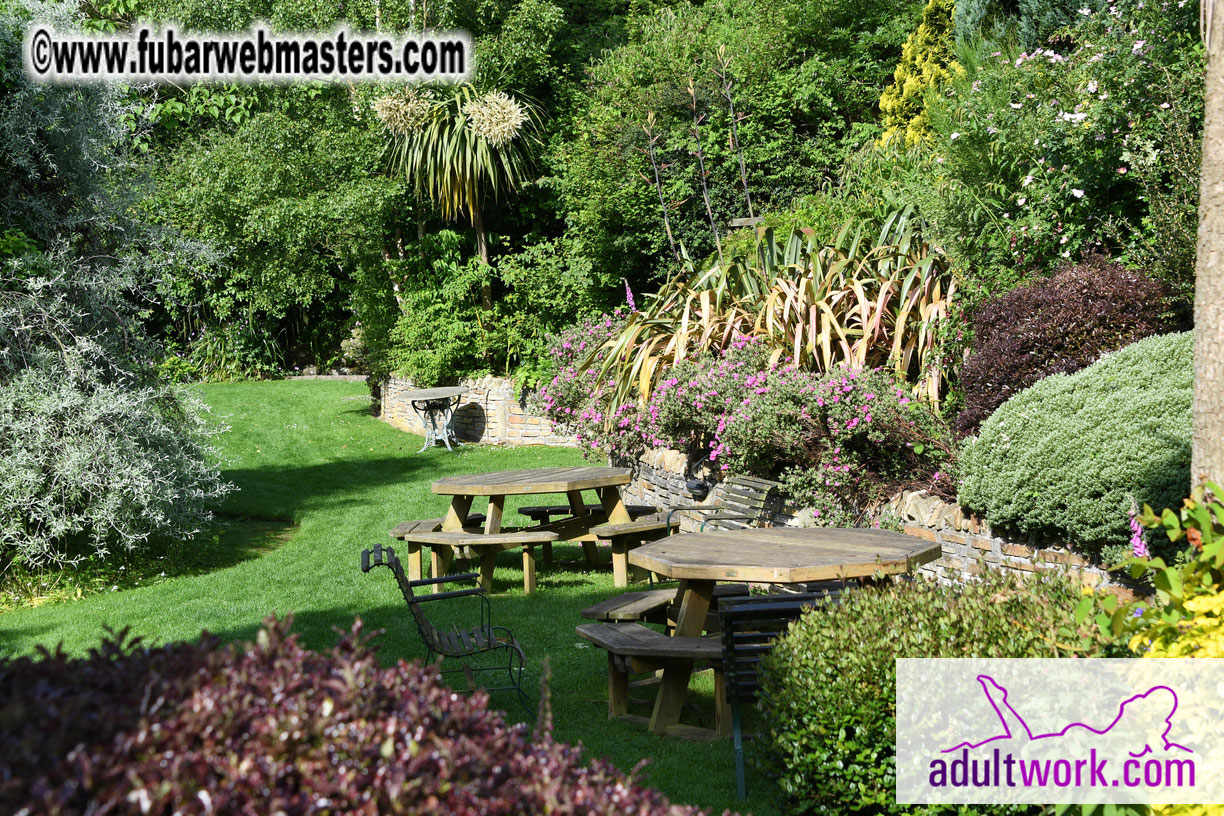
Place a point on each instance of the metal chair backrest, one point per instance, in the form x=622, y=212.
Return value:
x=382, y=556
x=750, y=626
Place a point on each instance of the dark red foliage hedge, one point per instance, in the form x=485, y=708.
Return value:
x=1059, y=324
x=269, y=727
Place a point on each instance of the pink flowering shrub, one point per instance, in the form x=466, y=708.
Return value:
x=837, y=441
x=569, y=397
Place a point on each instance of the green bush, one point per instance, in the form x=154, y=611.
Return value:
x=98, y=453
x=1083, y=147
x=926, y=63
x=829, y=688
x=1071, y=455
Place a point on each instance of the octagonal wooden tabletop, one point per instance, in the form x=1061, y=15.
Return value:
x=535, y=480
x=784, y=555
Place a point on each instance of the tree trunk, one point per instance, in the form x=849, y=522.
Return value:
x=482, y=249
x=1207, y=457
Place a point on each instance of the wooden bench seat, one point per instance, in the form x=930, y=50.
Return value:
x=653, y=605
x=742, y=502
x=431, y=525
x=542, y=513
x=636, y=649
x=475, y=545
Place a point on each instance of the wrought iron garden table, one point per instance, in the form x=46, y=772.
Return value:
x=436, y=408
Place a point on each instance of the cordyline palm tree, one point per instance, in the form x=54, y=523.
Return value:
x=461, y=148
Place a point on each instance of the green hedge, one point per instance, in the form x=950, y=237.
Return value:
x=829, y=688
x=1068, y=456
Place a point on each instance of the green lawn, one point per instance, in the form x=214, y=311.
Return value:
x=319, y=479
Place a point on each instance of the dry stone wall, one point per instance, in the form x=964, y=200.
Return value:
x=490, y=413
x=969, y=545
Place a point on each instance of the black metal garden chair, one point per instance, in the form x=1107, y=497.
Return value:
x=750, y=626
x=484, y=639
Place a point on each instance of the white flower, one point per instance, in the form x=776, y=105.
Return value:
x=1017, y=105
x=1086, y=12
x=1078, y=193
x=496, y=117
x=1092, y=87
x=1073, y=117
x=955, y=136
x=1021, y=200
x=1138, y=46
x=1165, y=106
x=1027, y=181
x=403, y=112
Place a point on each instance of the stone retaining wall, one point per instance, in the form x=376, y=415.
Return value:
x=489, y=413
x=969, y=545
x=660, y=480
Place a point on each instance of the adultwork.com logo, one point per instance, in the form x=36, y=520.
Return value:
x=1059, y=731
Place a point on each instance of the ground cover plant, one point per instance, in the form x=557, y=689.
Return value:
x=829, y=687
x=271, y=727
x=1074, y=455
x=311, y=463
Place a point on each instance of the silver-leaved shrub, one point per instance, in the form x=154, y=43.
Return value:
x=1071, y=456
x=97, y=450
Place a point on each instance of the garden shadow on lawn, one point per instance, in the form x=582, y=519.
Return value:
x=326, y=486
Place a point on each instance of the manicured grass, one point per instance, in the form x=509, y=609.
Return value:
x=317, y=472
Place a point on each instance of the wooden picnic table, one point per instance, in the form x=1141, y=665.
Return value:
x=776, y=555
x=463, y=490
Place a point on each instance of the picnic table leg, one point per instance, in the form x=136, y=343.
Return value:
x=722, y=709
x=488, y=560
x=673, y=689
x=494, y=516
x=578, y=508
x=618, y=689
x=529, y=582
x=414, y=561
x=440, y=557
x=457, y=515
x=614, y=505
x=620, y=561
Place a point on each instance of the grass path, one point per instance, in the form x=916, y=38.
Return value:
x=319, y=479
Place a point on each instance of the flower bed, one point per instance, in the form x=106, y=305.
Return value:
x=838, y=441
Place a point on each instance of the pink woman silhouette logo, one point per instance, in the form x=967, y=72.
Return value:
x=1143, y=720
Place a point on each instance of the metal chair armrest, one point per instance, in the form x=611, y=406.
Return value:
x=724, y=517
x=701, y=508
x=445, y=579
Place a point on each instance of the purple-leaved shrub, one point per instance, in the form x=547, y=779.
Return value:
x=270, y=727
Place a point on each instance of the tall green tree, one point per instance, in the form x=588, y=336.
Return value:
x=1207, y=451
x=926, y=63
x=462, y=149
